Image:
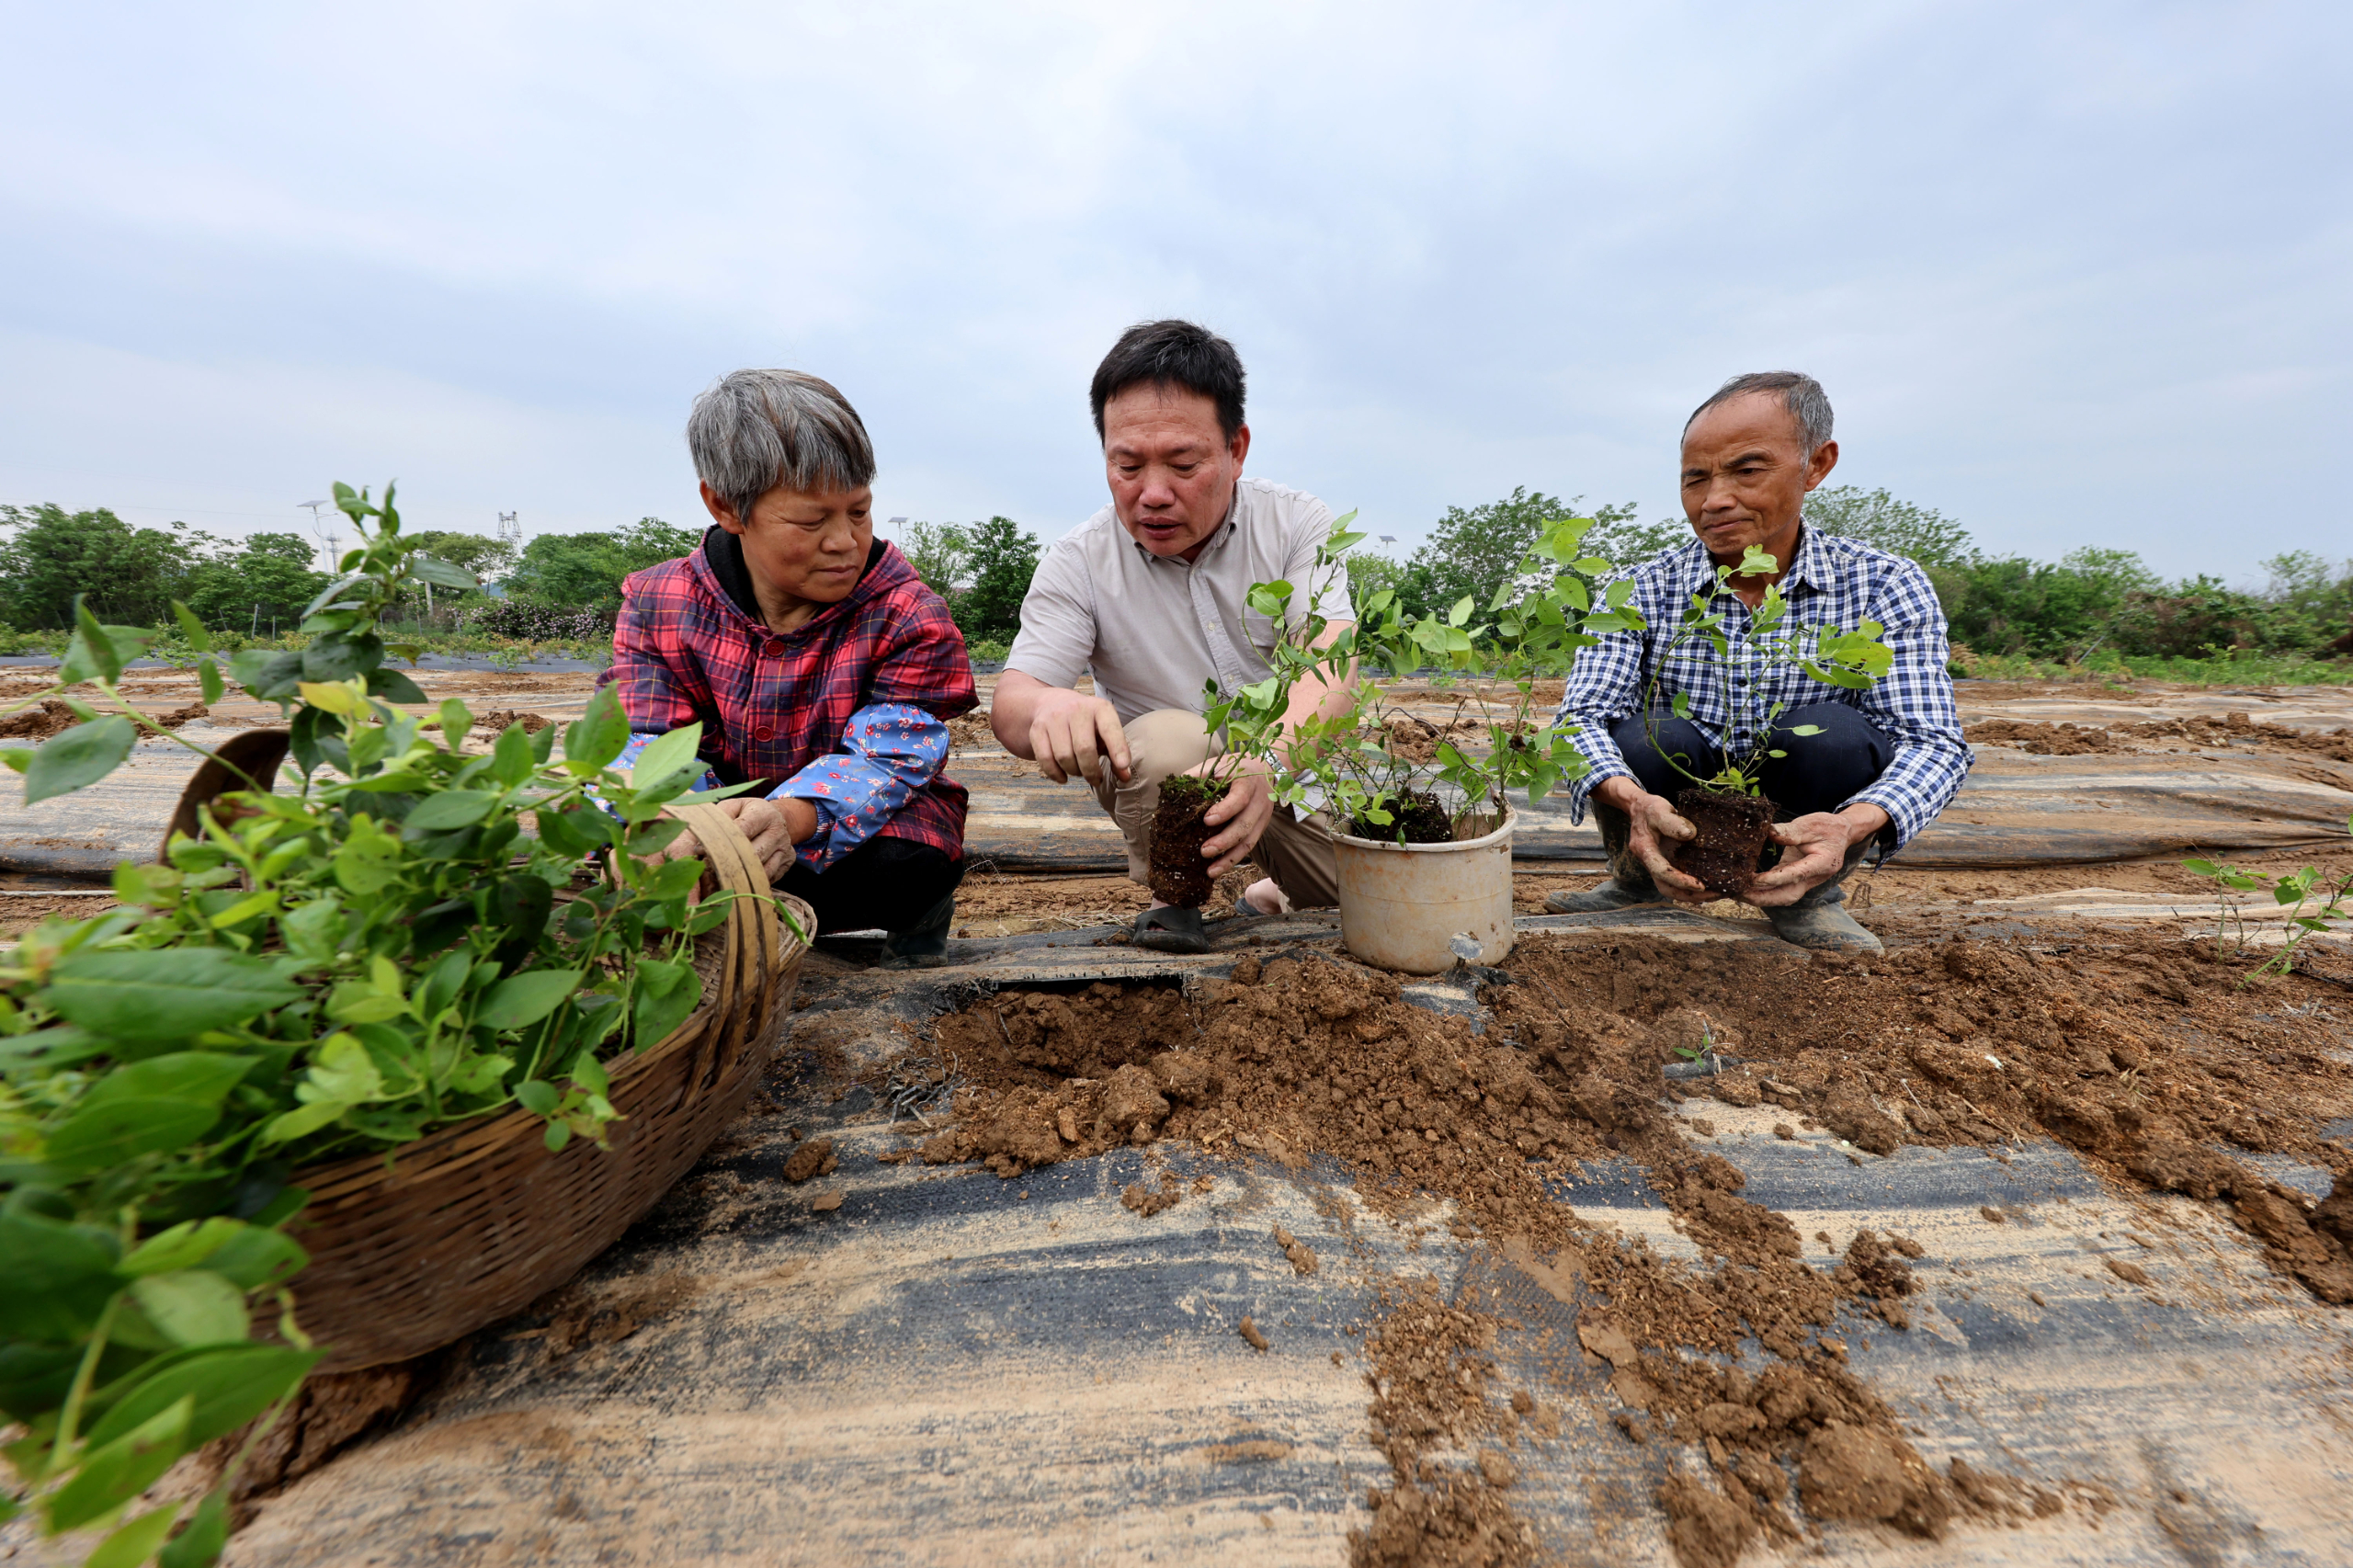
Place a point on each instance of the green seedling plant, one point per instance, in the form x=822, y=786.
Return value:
x=411, y=936
x=1346, y=760
x=1770, y=640
x=2311, y=897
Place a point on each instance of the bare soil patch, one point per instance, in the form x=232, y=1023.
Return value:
x=2199, y=731
x=1295, y=1057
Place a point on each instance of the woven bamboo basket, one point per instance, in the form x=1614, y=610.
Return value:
x=470, y=1224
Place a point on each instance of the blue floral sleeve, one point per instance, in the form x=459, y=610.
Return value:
x=889, y=750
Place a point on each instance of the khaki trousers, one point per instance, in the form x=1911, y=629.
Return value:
x=1296, y=853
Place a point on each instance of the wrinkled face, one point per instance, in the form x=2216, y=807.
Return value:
x=1745, y=474
x=1171, y=468
x=803, y=545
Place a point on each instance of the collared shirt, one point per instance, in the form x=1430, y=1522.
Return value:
x=1154, y=630
x=1832, y=584
x=848, y=710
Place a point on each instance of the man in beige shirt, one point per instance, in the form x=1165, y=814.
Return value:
x=1149, y=596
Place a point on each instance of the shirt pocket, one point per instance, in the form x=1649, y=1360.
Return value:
x=1260, y=629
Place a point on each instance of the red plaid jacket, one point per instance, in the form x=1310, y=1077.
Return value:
x=775, y=705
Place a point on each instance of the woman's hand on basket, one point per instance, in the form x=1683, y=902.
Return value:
x=773, y=826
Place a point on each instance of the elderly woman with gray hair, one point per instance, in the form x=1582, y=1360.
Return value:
x=822, y=668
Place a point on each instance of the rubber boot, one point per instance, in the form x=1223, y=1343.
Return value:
x=1630, y=885
x=923, y=945
x=1820, y=919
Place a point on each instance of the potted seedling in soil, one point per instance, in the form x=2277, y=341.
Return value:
x=326, y=974
x=1178, y=873
x=1728, y=807
x=1421, y=816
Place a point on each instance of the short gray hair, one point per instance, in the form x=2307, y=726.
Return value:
x=1800, y=394
x=755, y=430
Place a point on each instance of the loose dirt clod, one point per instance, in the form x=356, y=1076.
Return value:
x=1301, y=1256
x=815, y=1158
x=1250, y=1335
x=1149, y=1200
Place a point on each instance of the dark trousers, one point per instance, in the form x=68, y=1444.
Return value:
x=1818, y=774
x=884, y=884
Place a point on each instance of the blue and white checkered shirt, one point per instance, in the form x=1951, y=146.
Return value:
x=1834, y=584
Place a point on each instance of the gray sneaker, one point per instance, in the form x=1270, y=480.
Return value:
x=1825, y=925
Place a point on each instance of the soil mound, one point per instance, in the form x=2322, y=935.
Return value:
x=2143, y=1055
x=1302, y=1056
x=2201, y=731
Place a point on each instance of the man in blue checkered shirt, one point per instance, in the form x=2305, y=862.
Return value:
x=1887, y=759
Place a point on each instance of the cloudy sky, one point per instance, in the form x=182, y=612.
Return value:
x=2075, y=273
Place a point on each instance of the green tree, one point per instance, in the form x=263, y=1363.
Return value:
x=584, y=571
x=269, y=579
x=939, y=552
x=131, y=575
x=1877, y=518
x=485, y=555
x=1002, y=559
x=1473, y=551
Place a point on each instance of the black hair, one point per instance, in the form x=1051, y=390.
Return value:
x=1172, y=353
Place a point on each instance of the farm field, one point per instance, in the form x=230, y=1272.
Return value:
x=1071, y=1252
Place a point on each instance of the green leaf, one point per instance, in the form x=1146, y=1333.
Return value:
x=511, y=756
x=80, y=756
x=394, y=686
x=339, y=655
x=136, y=1541
x=523, y=999
x=1803, y=730
x=60, y=1277
x=272, y=677
x=454, y=808
x=441, y=572
x=104, y=657
x=536, y=1096
x=184, y=1245
x=257, y=1256
x=161, y=994
x=1461, y=613
x=666, y=757
x=208, y=678
x=1682, y=705
x=457, y=722
x=206, y=1536
x=2202, y=868
x=193, y=1306
x=163, y=1103
x=342, y=1073
x=664, y=995
x=228, y=1385
x=600, y=733
x=115, y=1472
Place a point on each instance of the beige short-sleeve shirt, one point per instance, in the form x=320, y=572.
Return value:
x=1155, y=631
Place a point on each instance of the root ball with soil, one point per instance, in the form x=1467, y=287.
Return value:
x=1733, y=831
x=1179, y=873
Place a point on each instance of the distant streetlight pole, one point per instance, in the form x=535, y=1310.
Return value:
x=324, y=528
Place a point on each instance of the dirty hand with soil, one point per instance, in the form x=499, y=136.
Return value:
x=1814, y=850
x=1654, y=830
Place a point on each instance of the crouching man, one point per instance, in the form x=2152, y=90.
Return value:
x=817, y=662
x=1149, y=596
x=1886, y=759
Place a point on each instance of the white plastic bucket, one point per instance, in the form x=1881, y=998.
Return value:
x=1403, y=904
